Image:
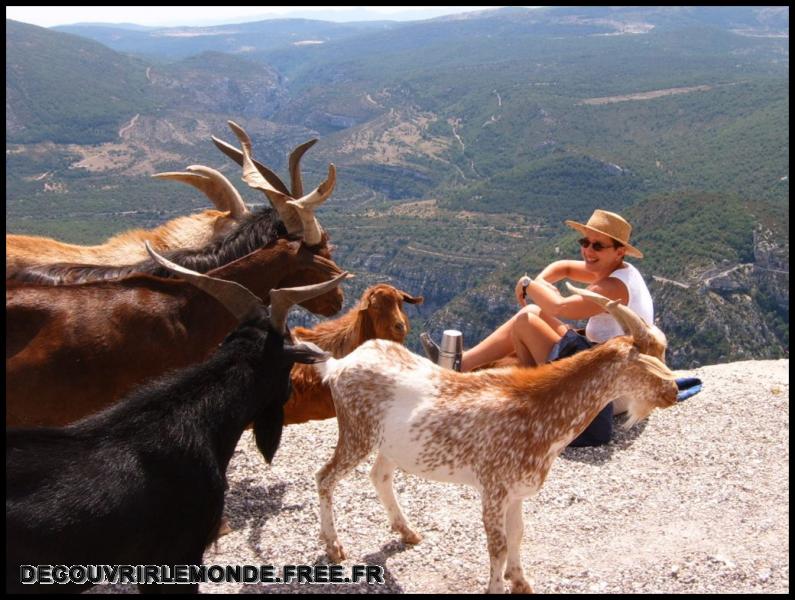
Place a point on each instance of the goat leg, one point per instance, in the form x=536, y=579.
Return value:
x=381, y=475
x=514, y=529
x=342, y=462
x=495, y=504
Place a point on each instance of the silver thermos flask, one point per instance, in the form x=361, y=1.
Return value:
x=451, y=349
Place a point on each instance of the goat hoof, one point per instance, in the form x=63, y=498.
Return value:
x=335, y=552
x=409, y=537
x=521, y=587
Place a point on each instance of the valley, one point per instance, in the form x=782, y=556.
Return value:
x=461, y=147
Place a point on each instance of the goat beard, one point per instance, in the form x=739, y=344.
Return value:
x=635, y=416
x=268, y=425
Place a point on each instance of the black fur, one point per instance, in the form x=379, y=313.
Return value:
x=142, y=482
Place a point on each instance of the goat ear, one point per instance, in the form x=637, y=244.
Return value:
x=656, y=367
x=306, y=353
x=366, y=301
x=412, y=299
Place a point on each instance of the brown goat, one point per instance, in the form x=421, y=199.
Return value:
x=378, y=315
x=76, y=348
x=128, y=247
x=73, y=349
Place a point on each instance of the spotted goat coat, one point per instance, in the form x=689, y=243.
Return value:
x=498, y=430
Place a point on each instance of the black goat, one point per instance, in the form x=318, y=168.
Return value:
x=142, y=483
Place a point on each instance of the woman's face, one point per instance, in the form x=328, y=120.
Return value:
x=606, y=258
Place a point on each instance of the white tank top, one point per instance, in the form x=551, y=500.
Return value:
x=603, y=326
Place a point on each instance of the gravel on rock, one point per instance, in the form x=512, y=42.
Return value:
x=695, y=499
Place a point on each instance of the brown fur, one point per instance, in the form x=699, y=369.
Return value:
x=378, y=314
x=73, y=349
x=192, y=231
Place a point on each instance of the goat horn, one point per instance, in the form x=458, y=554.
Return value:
x=629, y=321
x=295, y=167
x=223, y=189
x=282, y=299
x=306, y=206
x=255, y=179
x=237, y=156
x=215, y=186
x=200, y=182
x=327, y=266
x=233, y=296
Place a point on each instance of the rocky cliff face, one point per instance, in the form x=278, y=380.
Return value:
x=771, y=266
x=203, y=86
x=730, y=311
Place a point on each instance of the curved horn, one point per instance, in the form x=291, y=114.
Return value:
x=214, y=185
x=295, y=167
x=586, y=293
x=287, y=213
x=305, y=207
x=237, y=156
x=282, y=299
x=630, y=322
x=325, y=265
x=233, y=296
x=255, y=179
x=200, y=182
x=223, y=189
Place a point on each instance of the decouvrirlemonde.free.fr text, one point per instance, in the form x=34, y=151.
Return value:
x=166, y=574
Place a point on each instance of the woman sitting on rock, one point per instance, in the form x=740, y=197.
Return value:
x=536, y=335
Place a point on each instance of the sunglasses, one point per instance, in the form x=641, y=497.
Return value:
x=597, y=246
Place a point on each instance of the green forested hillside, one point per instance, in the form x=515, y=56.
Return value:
x=65, y=89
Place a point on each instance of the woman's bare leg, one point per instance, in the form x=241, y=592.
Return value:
x=503, y=342
x=494, y=347
x=534, y=337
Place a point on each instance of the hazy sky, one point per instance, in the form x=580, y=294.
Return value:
x=48, y=16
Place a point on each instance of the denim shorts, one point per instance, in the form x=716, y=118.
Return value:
x=571, y=343
x=600, y=431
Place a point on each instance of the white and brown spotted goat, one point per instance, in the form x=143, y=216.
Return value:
x=498, y=430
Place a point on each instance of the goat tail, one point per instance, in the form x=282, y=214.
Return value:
x=326, y=368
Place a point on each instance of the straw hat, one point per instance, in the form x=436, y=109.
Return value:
x=611, y=225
